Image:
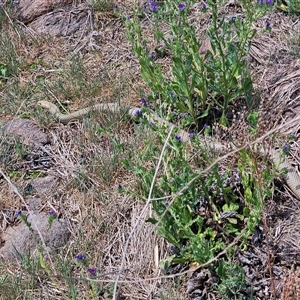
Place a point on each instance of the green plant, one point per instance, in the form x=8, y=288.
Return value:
x=232, y=280
x=10, y=60
x=202, y=219
x=197, y=82
x=290, y=6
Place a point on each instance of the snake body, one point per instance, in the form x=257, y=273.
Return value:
x=291, y=176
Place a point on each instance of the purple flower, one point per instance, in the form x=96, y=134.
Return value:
x=286, y=148
x=19, y=213
x=269, y=2
x=116, y=6
x=152, y=55
x=138, y=112
x=127, y=18
x=260, y=1
x=146, y=103
x=100, y=124
x=191, y=134
x=92, y=271
x=119, y=186
x=205, y=126
x=178, y=138
x=52, y=212
x=181, y=6
x=203, y=5
x=153, y=6
x=80, y=257
x=151, y=123
x=268, y=25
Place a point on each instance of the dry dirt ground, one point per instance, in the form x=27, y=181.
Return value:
x=74, y=55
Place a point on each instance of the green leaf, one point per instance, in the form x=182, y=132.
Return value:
x=232, y=220
x=181, y=107
x=205, y=113
x=248, y=194
x=166, y=263
x=152, y=221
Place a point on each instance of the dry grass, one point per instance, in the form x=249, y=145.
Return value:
x=88, y=164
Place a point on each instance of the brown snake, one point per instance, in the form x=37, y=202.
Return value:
x=291, y=177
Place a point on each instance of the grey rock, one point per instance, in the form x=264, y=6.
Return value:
x=27, y=131
x=44, y=185
x=21, y=239
x=54, y=24
x=29, y=10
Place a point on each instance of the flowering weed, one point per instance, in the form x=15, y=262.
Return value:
x=191, y=218
x=197, y=82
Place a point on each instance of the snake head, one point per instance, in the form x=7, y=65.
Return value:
x=49, y=106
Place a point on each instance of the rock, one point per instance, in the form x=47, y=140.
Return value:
x=27, y=131
x=29, y=10
x=20, y=239
x=34, y=203
x=60, y=23
x=44, y=185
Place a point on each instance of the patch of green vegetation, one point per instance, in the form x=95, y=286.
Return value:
x=290, y=6
x=198, y=82
x=76, y=81
x=102, y=5
x=195, y=208
x=232, y=280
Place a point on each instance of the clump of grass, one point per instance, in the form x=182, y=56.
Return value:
x=102, y=5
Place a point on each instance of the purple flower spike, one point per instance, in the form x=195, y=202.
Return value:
x=138, y=112
x=181, y=6
x=92, y=271
x=178, y=138
x=152, y=56
x=153, y=6
x=52, y=212
x=80, y=257
x=286, y=148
